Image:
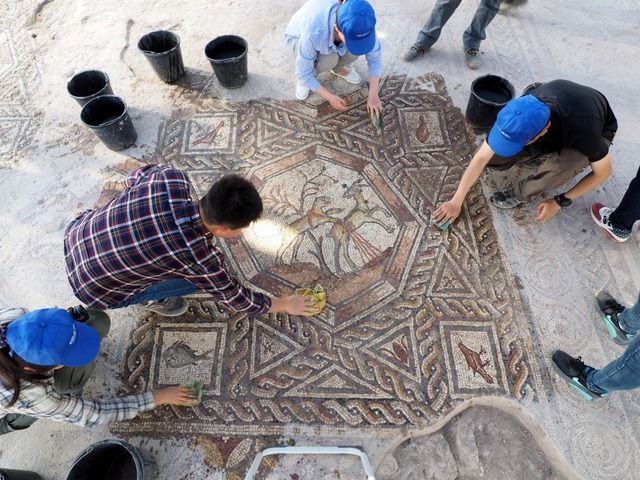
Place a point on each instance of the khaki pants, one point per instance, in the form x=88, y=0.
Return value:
x=556, y=170
x=67, y=380
x=324, y=63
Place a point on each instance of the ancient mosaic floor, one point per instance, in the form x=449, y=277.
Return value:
x=417, y=319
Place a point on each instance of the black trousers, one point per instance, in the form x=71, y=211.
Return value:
x=629, y=209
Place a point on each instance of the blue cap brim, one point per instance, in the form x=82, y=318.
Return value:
x=501, y=146
x=361, y=46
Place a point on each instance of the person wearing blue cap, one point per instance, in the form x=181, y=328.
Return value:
x=329, y=35
x=473, y=35
x=46, y=357
x=559, y=128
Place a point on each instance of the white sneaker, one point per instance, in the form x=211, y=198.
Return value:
x=169, y=307
x=352, y=77
x=302, y=91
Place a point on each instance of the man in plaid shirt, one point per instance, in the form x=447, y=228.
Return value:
x=153, y=243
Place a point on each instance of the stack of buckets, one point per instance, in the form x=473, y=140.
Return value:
x=107, y=115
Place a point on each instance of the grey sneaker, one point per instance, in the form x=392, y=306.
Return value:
x=416, y=50
x=169, y=307
x=505, y=199
x=472, y=58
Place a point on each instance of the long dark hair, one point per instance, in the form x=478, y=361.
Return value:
x=12, y=372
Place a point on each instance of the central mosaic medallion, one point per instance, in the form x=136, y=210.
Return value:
x=417, y=318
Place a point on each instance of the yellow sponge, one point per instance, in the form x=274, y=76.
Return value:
x=318, y=295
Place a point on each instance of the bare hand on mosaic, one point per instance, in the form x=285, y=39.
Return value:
x=447, y=212
x=181, y=396
x=547, y=209
x=374, y=105
x=338, y=103
x=294, y=305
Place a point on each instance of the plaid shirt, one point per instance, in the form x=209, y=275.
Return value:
x=149, y=233
x=42, y=401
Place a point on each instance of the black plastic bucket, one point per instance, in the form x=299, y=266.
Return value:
x=488, y=95
x=228, y=57
x=88, y=84
x=162, y=49
x=112, y=460
x=109, y=119
x=7, y=474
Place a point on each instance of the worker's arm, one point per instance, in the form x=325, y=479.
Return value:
x=450, y=210
x=600, y=171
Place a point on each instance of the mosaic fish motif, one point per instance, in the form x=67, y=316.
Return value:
x=474, y=360
x=422, y=132
x=179, y=355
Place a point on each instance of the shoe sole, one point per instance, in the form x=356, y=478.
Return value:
x=604, y=228
x=617, y=335
x=504, y=207
x=344, y=77
x=175, y=313
x=576, y=385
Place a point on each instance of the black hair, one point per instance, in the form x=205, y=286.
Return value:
x=232, y=202
x=12, y=371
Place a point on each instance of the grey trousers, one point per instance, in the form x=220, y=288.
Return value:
x=555, y=170
x=67, y=380
x=475, y=32
x=324, y=63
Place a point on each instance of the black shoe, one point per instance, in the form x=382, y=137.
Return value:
x=505, y=199
x=573, y=370
x=610, y=309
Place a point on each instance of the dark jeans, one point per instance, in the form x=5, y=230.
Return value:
x=159, y=291
x=473, y=35
x=624, y=372
x=628, y=212
x=66, y=381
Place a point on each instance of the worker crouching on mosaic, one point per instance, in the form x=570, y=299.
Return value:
x=329, y=35
x=557, y=129
x=46, y=357
x=152, y=244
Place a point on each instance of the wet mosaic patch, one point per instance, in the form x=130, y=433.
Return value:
x=417, y=318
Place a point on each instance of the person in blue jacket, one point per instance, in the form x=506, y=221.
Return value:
x=329, y=35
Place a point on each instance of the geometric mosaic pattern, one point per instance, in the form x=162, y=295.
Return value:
x=417, y=318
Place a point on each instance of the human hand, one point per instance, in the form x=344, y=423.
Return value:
x=546, y=210
x=338, y=103
x=299, y=305
x=374, y=105
x=180, y=396
x=447, y=212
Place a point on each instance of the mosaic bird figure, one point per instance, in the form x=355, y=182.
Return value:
x=474, y=360
x=422, y=132
x=210, y=138
x=179, y=355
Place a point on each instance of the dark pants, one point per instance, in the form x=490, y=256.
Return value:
x=628, y=212
x=67, y=380
x=473, y=35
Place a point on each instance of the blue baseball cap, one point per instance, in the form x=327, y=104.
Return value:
x=357, y=21
x=517, y=124
x=51, y=337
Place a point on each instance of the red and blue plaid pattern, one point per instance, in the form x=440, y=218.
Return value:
x=150, y=233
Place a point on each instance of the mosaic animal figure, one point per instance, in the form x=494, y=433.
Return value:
x=211, y=136
x=312, y=218
x=179, y=355
x=474, y=361
x=345, y=232
x=422, y=132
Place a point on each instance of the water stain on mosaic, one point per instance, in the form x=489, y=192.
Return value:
x=416, y=318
